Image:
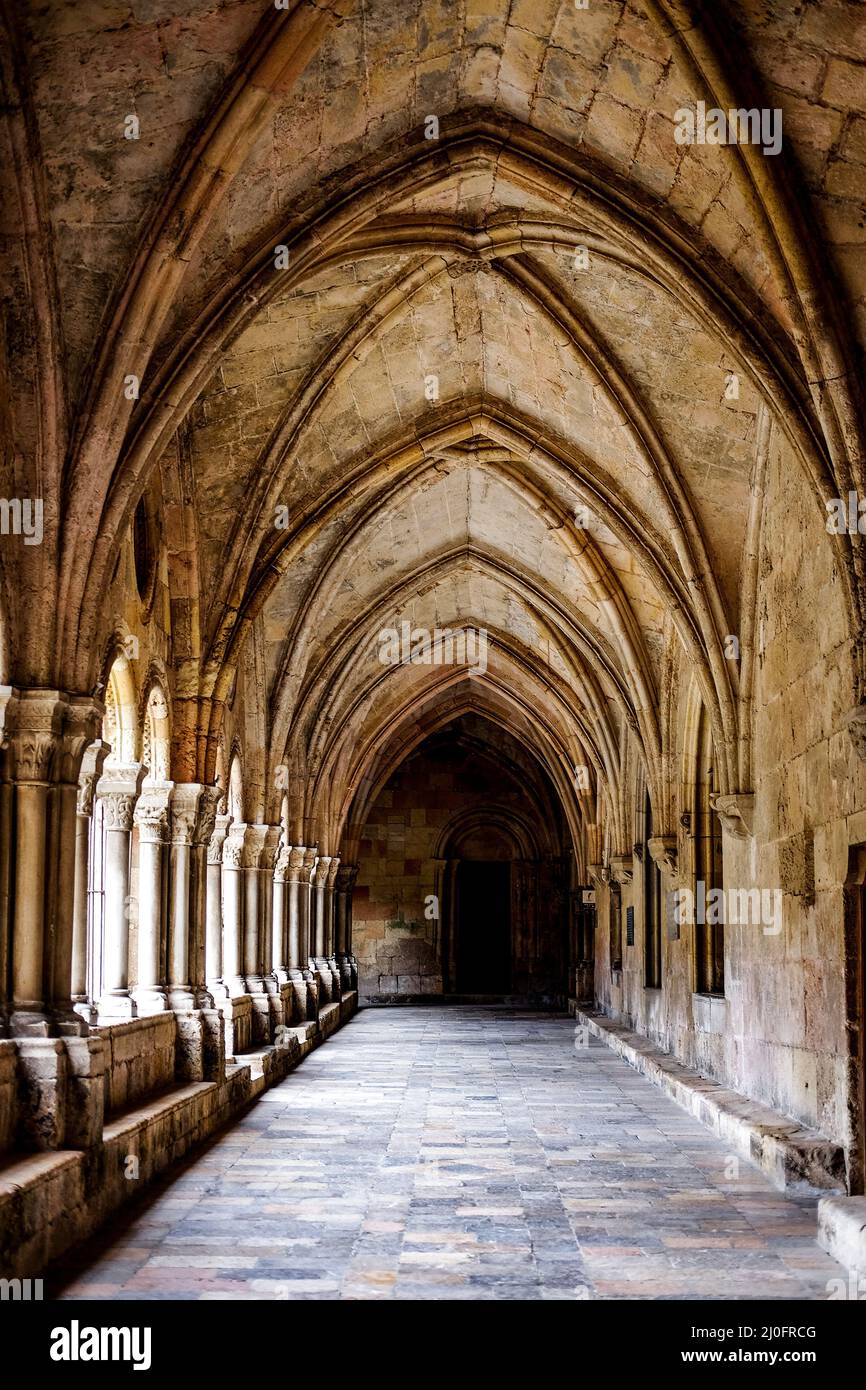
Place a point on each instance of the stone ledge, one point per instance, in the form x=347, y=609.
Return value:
x=794, y=1159
x=842, y=1230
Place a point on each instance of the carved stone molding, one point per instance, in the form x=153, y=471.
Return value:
x=663, y=850
x=622, y=868
x=736, y=811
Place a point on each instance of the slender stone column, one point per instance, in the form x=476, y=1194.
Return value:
x=320, y=932
x=279, y=922
x=183, y=819
x=293, y=888
x=82, y=718
x=253, y=921
x=117, y=790
x=91, y=770
x=214, y=910
x=346, y=876
x=204, y=828
x=267, y=861
x=233, y=910
x=308, y=968
x=331, y=906
x=293, y=870
x=151, y=818
x=306, y=898
x=330, y=928
x=34, y=723
x=253, y=849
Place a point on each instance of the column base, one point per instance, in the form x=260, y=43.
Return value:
x=150, y=1001
x=115, y=1008
x=180, y=998
x=29, y=1023
x=43, y=1083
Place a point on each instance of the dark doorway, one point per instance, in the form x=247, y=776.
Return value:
x=483, y=927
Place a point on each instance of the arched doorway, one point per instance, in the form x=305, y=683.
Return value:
x=482, y=928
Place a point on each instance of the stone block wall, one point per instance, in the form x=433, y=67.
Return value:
x=140, y=1059
x=779, y=1033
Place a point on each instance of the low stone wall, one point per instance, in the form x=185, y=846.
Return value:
x=795, y=1159
x=52, y=1200
x=140, y=1059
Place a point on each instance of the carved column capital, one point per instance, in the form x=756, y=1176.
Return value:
x=663, y=851
x=295, y=863
x=736, y=811
x=217, y=839
x=254, y=845
x=323, y=864
x=33, y=731
x=311, y=854
x=184, y=812
x=622, y=868
x=270, y=848
x=118, y=789
x=92, y=762
x=207, y=814
x=346, y=875
x=152, y=812
x=234, y=845
x=599, y=873
x=333, y=870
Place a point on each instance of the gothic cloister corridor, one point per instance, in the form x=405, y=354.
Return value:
x=432, y=664
x=462, y=1153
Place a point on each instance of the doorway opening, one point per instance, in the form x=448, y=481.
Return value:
x=483, y=944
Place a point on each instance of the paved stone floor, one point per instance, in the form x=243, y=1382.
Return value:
x=460, y=1153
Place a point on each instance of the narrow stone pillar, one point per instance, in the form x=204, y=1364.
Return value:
x=34, y=720
x=117, y=790
x=306, y=899
x=279, y=922
x=183, y=811
x=45, y=734
x=253, y=918
x=204, y=828
x=267, y=862
x=320, y=884
x=346, y=876
x=151, y=818
x=233, y=909
x=330, y=925
x=294, y=866
x=308, y=869
x=214, y=960
x=295, y=958
x=91, y=770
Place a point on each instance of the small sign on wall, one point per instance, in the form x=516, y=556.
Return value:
x=589, y=895
x=629, y=926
